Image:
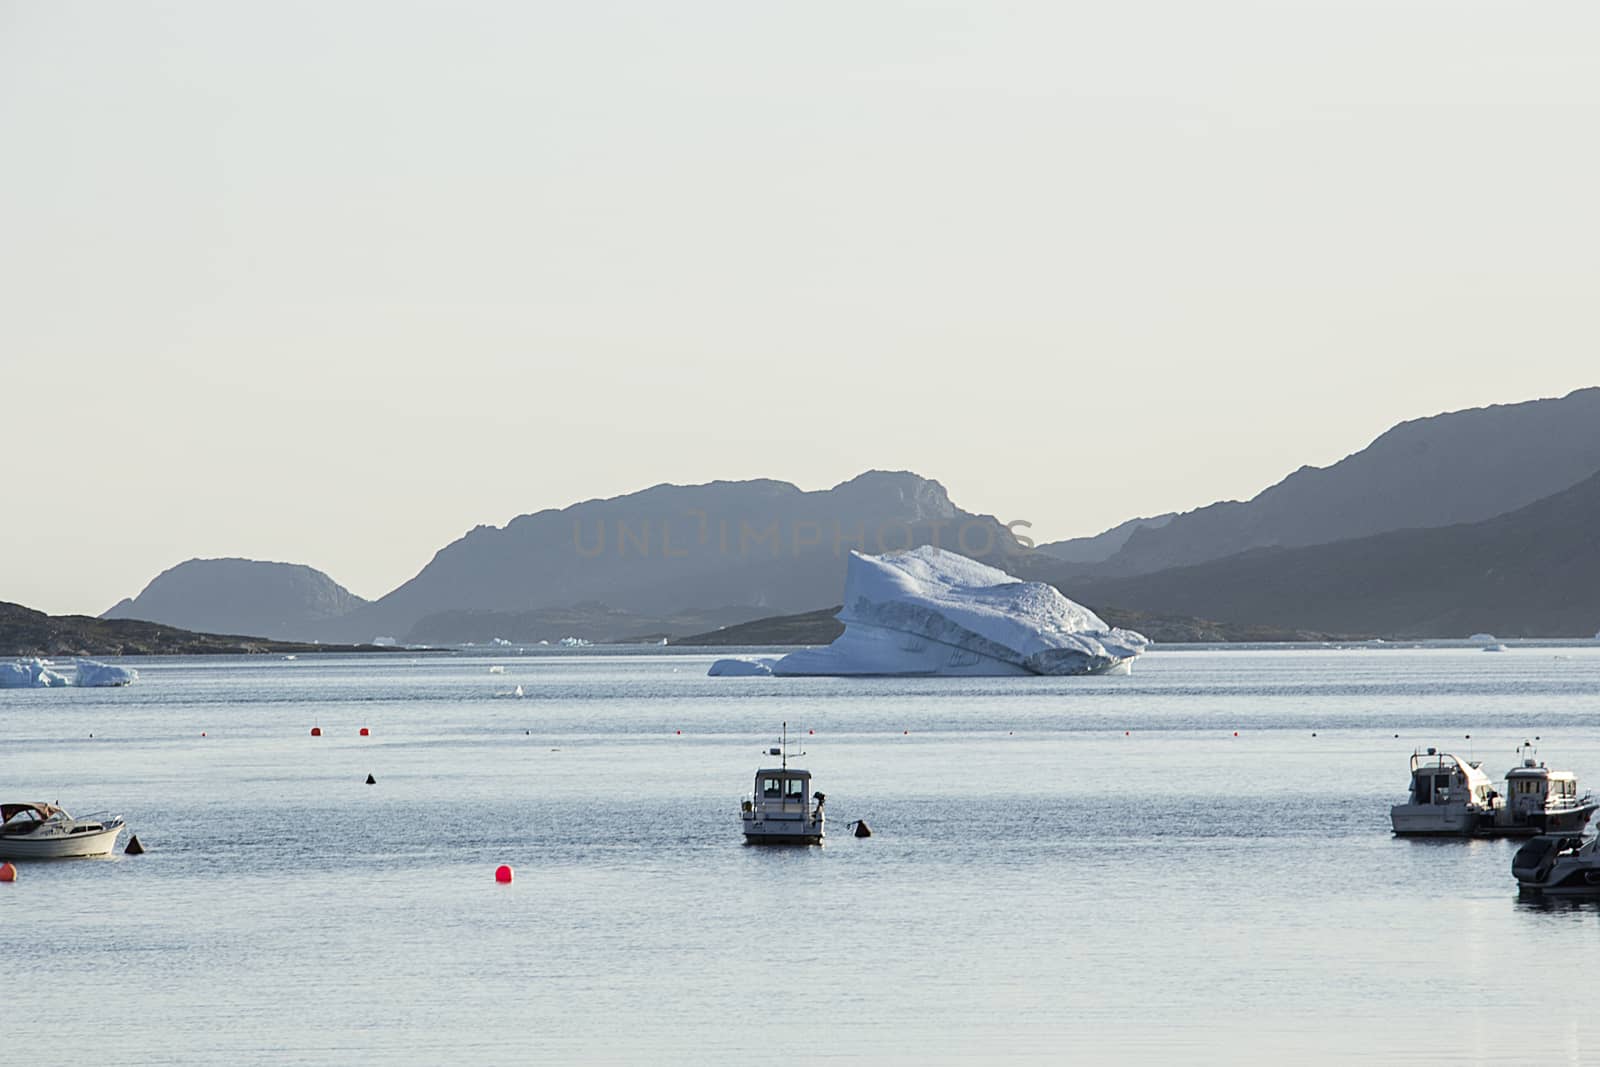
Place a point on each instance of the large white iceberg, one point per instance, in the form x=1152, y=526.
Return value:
x=39, y=674
x=929, y=611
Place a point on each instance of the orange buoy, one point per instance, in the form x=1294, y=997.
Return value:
x=365, y=732
x=8, y=873
x=316, y=731
x=502, y=874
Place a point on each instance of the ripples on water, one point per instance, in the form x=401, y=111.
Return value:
x=1091, y=869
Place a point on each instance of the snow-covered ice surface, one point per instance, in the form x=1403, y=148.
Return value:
x=41, y=674
x=930, y=611
x=93, y=673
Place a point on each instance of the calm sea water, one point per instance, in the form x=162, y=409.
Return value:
x=1087, y=869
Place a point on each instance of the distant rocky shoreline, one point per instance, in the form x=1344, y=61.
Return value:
x=25, y=632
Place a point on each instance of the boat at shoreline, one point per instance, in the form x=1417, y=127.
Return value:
x=779, y=811
x=39, y=831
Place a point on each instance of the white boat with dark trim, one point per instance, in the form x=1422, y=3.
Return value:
x=779, y=812
x=1558, y=865
x=1541, y=801
x=38, y=831
x=1449, y=796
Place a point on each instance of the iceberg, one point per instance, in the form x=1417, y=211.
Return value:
x=93, y=673
x=931, y=611
x=30, y=674
x=38, y=674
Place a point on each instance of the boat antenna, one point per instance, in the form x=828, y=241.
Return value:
x=786, y=744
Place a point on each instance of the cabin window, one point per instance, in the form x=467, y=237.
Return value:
x=1441, y=790
x=1424, y=790
x=771, y=787
x=794, y=788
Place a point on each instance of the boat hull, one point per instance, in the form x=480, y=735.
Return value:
x=758, y=838
x=60, y=846
x=782, y=831
x=1433, y=820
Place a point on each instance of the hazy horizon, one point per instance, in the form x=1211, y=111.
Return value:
x=333, y=284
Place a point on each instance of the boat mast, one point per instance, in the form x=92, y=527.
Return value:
x=786, y=744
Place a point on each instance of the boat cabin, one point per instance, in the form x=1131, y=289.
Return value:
x=22, y=818
x=1439, y=778
x=780, y=791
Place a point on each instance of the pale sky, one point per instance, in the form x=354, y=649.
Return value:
x=333, y=282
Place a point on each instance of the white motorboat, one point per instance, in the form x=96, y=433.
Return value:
x=780, y=812
x=1558, y=865
x=38, y=831
x=1541, y=801
x=1448, y=796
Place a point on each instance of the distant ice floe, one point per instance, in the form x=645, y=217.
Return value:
x=1497, y=648
x=573, y=642
x=743, y=668
x=1484, y=639
x=40, y=674
x=930, y=611
x=502, y=642
x=385, y=642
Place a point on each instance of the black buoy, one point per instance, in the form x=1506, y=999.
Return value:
x=862, y=829
x=134, y=848
x=371, y=780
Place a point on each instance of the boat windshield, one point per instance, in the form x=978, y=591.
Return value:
x=781, y=787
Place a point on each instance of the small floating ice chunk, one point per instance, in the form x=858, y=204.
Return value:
x=574, y=642
x=502, y=642
x=1483, y=639
x=1497, y=648
x=497, y=669
x=96, y=674
x=735, y=667
x=385, y=642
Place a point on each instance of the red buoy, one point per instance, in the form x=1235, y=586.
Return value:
x=316, y=731
x=502, y=874
x=8, y=873
x=365, y=732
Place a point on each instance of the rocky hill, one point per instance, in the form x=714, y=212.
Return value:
x=25, y=632
x=1460, y=467
x=1532, y=573
x=280, y=601
x=764, y=545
